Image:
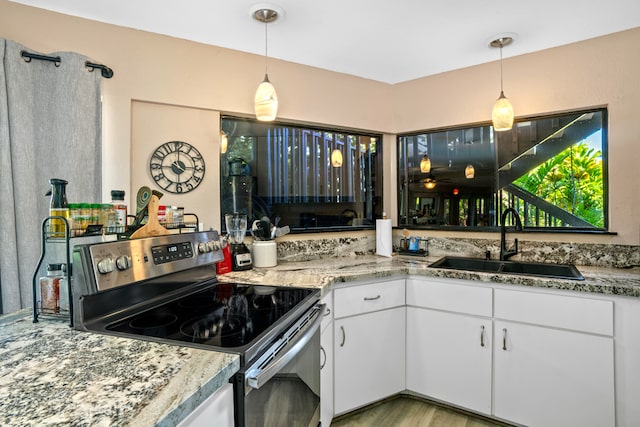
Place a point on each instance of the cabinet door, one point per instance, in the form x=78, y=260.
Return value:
x=449, y=357
x=216, y=410
x=549, y=377
x=369, y=360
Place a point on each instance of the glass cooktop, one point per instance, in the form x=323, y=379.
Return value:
x=225, y=315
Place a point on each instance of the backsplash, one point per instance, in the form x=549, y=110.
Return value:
x=588, y=254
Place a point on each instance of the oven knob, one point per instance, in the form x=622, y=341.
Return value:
x=211, y=246
x=215, y=245
x=123, y=262
x=203, y=247
x=105, y=265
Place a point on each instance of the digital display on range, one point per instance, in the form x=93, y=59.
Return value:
x=173, y=252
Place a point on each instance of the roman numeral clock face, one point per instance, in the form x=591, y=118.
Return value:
x=177, y=167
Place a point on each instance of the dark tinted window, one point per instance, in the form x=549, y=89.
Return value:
x=292, y=172
x=551, y=169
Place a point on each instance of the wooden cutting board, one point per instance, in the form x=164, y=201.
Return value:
x=153, y=227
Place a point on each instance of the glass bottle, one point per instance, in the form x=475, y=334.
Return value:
x=120, y=208
x=94, y=216
x=85, y=214
x=108, y=218
x=63, y=291
x=58, y=206
x=74, y=216
x=50, y=289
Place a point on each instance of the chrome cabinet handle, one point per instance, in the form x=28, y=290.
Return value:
x=324, y=354
x=344, y=336
x=504, y=339
x=482, y=336
x=372, y=298
x=327, y=312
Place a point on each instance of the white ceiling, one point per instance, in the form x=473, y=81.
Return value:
x=385, y=40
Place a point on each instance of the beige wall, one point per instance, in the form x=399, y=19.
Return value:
x=161, y=70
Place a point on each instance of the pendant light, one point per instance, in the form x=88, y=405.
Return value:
x=429, y=183
x=224, y=142
x=469, y=171
x=266, y=99
x=425, y=164
x=336, y=158
x=502, y=115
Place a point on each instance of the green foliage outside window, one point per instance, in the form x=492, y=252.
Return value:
x=572, y=180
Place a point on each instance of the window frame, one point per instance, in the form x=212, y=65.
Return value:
x=403, y=175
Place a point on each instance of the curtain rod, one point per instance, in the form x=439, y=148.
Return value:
x=107, y=72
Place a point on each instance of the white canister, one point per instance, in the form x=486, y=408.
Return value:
x=264, y=253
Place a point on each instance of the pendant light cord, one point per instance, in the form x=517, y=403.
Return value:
x=501, y=75
x=266, y=43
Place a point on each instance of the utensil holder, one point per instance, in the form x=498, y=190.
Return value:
x=264, y=253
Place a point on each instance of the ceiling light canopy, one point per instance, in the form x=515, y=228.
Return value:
x=266, y=99
x=502, y=115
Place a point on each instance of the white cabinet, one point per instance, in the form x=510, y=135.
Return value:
x=369, y=343
x=326, y=363
x=216, y=410
x=449, y=358
x=449, y=352
x=560, y=374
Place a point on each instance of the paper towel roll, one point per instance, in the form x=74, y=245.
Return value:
x=384, y=243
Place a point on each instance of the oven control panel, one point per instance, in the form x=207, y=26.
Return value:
x=124, y=262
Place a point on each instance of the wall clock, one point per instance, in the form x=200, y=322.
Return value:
x=177, y=167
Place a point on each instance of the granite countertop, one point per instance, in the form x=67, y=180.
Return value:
x=325, y=272
x=51, y=374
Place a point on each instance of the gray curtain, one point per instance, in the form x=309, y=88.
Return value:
x=49, y=128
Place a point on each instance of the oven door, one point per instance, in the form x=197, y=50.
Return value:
x=282, y=386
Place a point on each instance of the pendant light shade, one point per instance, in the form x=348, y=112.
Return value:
x=336, y=158
x=425, y=164
x=266, y=99
x=469, y=171
x=430, y=183
x=502, y=115
x=224, y=142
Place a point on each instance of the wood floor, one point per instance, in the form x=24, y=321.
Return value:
x=405, y=411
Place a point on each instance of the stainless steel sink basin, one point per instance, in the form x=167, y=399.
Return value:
x=557, y=271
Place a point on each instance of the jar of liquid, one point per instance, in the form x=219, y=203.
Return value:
x=50, y=289
x=58, y=207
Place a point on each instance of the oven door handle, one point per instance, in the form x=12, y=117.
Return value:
x=258, y=377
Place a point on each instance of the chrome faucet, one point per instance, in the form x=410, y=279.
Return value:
x=504, y=252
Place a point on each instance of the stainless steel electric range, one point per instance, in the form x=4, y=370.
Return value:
x=165, y=289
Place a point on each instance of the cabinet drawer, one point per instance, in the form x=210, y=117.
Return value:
x=366, y=298
x=576, y=313
x=459, y=298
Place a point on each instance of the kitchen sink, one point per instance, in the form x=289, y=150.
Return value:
x=557, y=271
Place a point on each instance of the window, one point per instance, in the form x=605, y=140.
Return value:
x=312, y=179
x=551, y=169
